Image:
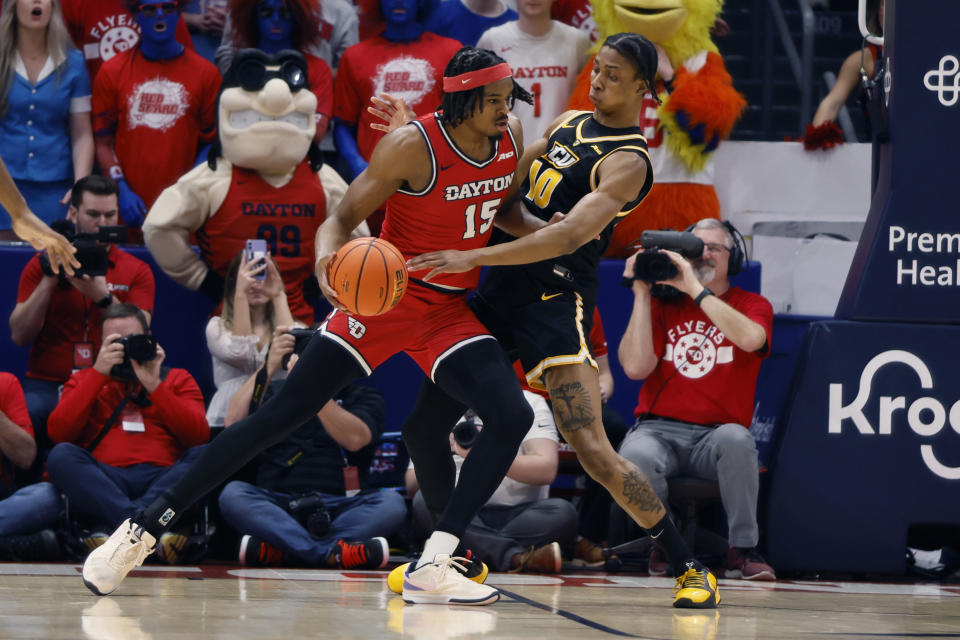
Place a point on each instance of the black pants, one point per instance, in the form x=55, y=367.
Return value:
x=497, y=533
x=477, y=375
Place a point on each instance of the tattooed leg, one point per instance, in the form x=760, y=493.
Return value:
x=575, y=396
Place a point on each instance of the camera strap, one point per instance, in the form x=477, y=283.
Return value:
x=112, y=420
x=259, y=387
x=141, y=396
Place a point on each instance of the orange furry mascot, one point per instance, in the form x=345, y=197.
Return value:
x=700, y=107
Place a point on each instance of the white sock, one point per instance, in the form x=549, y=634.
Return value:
x=438, y=542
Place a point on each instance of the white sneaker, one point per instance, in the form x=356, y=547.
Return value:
x=443, y=582
x=107, y=565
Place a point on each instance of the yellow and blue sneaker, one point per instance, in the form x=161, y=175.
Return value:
x=476, y=571
x=696, y=588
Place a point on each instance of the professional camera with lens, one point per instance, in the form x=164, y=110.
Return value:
x=91, y=248
x=141, y=347
x=309, y=511
x=653, y=265
x=466, y=432
x=301, y=340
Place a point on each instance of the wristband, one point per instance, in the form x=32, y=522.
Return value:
x=105, y=302
x=703, y=294
x=116, y=172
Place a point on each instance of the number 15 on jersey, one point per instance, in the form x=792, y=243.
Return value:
x=488, y=210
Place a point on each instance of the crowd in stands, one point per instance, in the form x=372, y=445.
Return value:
x=104, y=105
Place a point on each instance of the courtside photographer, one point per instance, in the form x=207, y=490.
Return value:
x=60, y=316
x=126, y=427
x=309, y=503
x=698, y=343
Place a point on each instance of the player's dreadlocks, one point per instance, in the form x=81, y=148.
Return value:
x=458, y=106
x=641, y=52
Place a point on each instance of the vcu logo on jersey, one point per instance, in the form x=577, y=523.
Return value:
x=560, y=156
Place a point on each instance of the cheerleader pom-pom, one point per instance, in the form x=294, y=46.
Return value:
x=826, y=136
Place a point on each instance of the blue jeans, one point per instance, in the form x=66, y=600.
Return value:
x=106, y=495
x=41, y=396
x=29, y=510
x=261, y=513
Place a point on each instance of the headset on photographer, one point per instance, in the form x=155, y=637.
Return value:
x=737, y=261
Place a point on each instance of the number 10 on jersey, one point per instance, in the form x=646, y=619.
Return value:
x=487, y=212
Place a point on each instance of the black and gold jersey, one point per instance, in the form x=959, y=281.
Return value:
x=558, y=179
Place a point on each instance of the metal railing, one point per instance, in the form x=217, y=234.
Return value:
x=801, y=63
x=862, y=22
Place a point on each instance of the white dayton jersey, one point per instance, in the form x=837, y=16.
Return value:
x=546, y=66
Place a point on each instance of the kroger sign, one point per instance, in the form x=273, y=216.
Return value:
x=923, y=424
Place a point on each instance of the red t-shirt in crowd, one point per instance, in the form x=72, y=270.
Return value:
x=409, y=70
x=14, y=406
x=158, y=434
x=576, y=13
x=598, y=342
x=321, y=83
x=286, y=217
x=701, y=376
x=103, y=28
x=72, y=323
x=159, y=110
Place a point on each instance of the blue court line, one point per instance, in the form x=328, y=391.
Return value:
x=570, y=616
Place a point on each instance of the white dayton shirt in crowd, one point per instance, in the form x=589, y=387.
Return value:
x=546, y=66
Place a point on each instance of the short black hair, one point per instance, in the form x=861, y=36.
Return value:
x=127, y=310
x=458, y=106
x=97, y=185
x=640, y=52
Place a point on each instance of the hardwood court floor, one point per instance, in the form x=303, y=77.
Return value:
x=40, y=601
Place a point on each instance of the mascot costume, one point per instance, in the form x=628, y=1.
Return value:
x=263, y=179
x=699, y=108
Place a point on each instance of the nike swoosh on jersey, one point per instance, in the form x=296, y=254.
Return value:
x=442, y=168
x=545, y=297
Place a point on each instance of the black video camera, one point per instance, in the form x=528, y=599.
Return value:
x=91, y=248
x=141, y=347
x=309, y=511
x=466, y=432
x=653, y=265
x=301, y=340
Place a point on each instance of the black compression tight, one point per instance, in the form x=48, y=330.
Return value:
x=324, y=369
x=478, y=376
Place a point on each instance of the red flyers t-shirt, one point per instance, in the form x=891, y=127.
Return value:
x=409, y=70
x=159, y=111
x=701, y=376
x=576, y=13
x=72, y=319
x=14, y=406
x=103, y=28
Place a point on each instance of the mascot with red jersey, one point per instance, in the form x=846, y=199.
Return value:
x=263, y=179
x=699, y=109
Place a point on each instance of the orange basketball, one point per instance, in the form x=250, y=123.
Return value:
x=369, y=276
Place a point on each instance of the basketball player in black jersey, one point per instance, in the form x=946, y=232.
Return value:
x=538, y=298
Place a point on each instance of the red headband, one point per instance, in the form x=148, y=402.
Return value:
x=478, y=78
